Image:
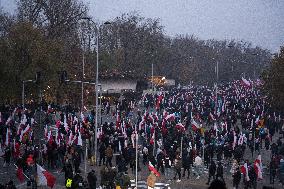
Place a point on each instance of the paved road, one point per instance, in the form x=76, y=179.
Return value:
x=7, y=173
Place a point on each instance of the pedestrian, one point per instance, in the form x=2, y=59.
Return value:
x=78, y=181
x=237, y=178
x=272, y=170
x=92, y=179
x=160, y=160
x=109, y=155
x=178, y=165
x=186, y=164
x=167, y=165
x=212, y=171
x=145, y=155
x=102, y=149
x=198, y=164
x=7, y=156
x=220, y=172
x=252, y=177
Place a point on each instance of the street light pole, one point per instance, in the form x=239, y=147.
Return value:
x=97, y=81
x=96, y=85
x=23, y=95
x=136, y=157
x=152, y=77
x=82, y=84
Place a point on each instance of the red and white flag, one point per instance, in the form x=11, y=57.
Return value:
x=44, y=178
x=170, y=117
x=246, y=82
x=195, y=125
x=180, y=127
x=118, y=122
x=153, y=169
x=80, y=141
x=258, y=167
x=7, y=139
x=212, y=116
x=244, y=170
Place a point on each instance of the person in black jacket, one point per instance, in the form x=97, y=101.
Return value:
x=237, y=178
x=102, y=154
x=77, y=181
x=92, y=179
x=186, y=164
x=220, y=171
x=212, y=171
x=252, y=177
x=272, y=169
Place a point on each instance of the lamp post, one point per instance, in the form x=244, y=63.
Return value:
x=97, y=84
x=152, y=77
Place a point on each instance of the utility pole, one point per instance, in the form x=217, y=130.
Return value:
x=152, y=77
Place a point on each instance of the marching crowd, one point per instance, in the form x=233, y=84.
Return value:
x=196, y=128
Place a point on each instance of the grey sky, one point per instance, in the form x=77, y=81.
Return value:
x=258, y=21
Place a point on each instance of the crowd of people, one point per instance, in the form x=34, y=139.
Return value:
x=182, y=133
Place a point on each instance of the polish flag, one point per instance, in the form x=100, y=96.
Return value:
x=19, y=129
x=9, y=120
x=117, y=120
x=49, y=136
x=44, y=178
x=141, y=124
x=58, y=123
x=195, y=125
x=170, y=117
x=258, y=167
x=82, y=117
x=246, y=82
x=165, y=113
x=155, y=116
x=45, y=132
x=244, y=170
x=151, y=118
x=257, y=121
x=235, y=140
x=79, y=142
x=70, y=139
x=153, y=169
x=57, y=140
x=152, y=140
x=65, y=124
x=7, y=140
x=180, y=127
x=27, y=129
x=212, y=117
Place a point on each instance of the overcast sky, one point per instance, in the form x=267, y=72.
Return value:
x=258, y=21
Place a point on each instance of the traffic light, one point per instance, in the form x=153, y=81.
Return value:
x=63, y=77
x=38, y=77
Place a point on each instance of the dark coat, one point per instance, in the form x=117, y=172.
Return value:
x=212, y=168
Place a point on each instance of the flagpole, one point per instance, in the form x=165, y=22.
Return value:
x=86, y=155
x=181, y=146
x=154, y=145
x=136, y=162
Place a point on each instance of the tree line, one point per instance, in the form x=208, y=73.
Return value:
x=51, y=36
